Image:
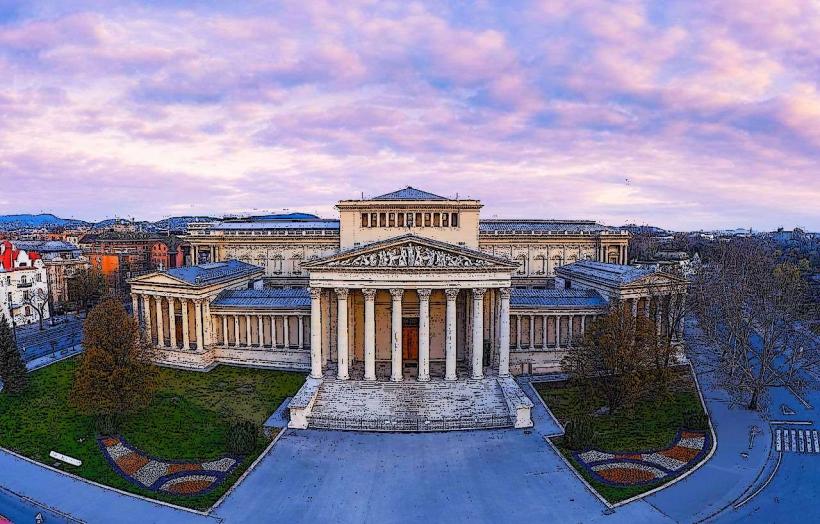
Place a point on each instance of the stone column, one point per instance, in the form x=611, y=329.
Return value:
x=478, y=333
x=186, y=337
x=273, y=331
x=341, y=341
x=544, y=331
x=146, y=315
x=172, y=321
x=369, y=333
x=135, y=306
x=225, y=340
x=248, y=331
x=200, y=344
x=634, y=303
x=424, y=334
x=583, y=325
x=504, y=335
x=396, y=369
x=557, y=331
x=517, y=331
x=236, y=330
x=301, y=334
x=532, y=332
x=450, y=345
x=286, y=328
x=261, y=329
x=160, y=326
x=570, y=328
x=315, y=332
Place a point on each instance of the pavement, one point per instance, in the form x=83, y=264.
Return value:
x=471, y=476
x=62, y=338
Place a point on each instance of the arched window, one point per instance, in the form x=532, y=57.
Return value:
x=296, y=260
x=277, y=265
x=522, y=264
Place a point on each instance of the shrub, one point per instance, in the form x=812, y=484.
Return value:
x=242, y=437
x=107, y=424
x=694, y=419
x=579, y=433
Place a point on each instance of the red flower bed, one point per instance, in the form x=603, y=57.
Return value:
x=626, y=475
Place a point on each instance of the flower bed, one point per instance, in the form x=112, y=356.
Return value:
x=175, y=477
x=648, y=467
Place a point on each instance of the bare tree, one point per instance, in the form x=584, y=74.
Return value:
x=87, y=286
x=39, y=302
x=753, y=309
x=614, y=356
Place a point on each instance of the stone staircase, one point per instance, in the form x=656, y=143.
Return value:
x=410, y=405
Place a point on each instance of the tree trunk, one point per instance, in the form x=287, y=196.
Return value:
x=753, y=402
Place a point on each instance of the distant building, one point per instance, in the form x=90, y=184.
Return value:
x=675, y=262
x=23, y=280
x=62, y=261
x=121, y=255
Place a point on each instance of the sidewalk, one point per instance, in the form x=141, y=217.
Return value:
x=726, y=476
x=82, y=500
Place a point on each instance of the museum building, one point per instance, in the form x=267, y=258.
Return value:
x=409, y=311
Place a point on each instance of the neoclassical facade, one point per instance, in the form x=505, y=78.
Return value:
x=407, y=295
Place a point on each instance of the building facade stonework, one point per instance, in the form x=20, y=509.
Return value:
x=405, y=290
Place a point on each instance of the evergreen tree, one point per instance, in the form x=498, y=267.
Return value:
x=12, y=368
x=115, y=376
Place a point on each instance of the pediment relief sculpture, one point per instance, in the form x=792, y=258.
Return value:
x=411, y=255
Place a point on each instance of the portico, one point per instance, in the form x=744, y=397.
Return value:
x=409, y=299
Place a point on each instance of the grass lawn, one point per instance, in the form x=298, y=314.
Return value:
x=650, y=423
x=188, y=419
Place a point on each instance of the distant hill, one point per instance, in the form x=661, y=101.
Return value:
x=28, y=221
x=645, y=230
x=49, y=221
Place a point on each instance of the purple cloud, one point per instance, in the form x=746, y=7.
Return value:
x=675, y=114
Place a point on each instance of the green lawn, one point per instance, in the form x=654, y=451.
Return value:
x=188, y=419
x=650, y=423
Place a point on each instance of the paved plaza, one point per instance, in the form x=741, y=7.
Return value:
x=502, y=475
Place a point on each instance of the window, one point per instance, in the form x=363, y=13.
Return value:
x=38, y=277
x=436, y=219
x=427, y=220
x=373, y=219
x=28, y=311
x=418, y=220
x=365, y=220
x=401, y=220
x=383, y=219
x=454, y=220
x=445, y=219
x=391, y=220
x=409, y=219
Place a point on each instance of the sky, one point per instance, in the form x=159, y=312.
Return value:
x=685, y=115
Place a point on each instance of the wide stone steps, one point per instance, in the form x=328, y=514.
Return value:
x=410, y=405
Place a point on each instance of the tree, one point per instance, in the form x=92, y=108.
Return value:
x=613, y=358
x=754, y=311
x=115, y=376
x=87, y=286
x=39, y=302
x=12, y=368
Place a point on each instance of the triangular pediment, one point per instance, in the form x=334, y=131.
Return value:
x=159, y=278
x=657, y=278
x=412, y=252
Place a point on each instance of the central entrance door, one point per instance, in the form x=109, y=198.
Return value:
x=410, y=338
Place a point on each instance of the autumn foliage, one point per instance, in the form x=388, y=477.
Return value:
x=115, y=376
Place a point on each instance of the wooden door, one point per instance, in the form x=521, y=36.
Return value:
x=410, y=342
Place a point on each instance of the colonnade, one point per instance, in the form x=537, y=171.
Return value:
x=544, y=320
x=396, y=364
x=262, y=321
x=161, y=311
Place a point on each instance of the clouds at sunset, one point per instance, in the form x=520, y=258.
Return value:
x=679, y=114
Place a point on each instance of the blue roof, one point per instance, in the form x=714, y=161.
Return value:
x=296, y=298
x=409, y=193
x=617, y=274
x=507, y=226
x=213, y=272
x=320, y=223
x=556, y=298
